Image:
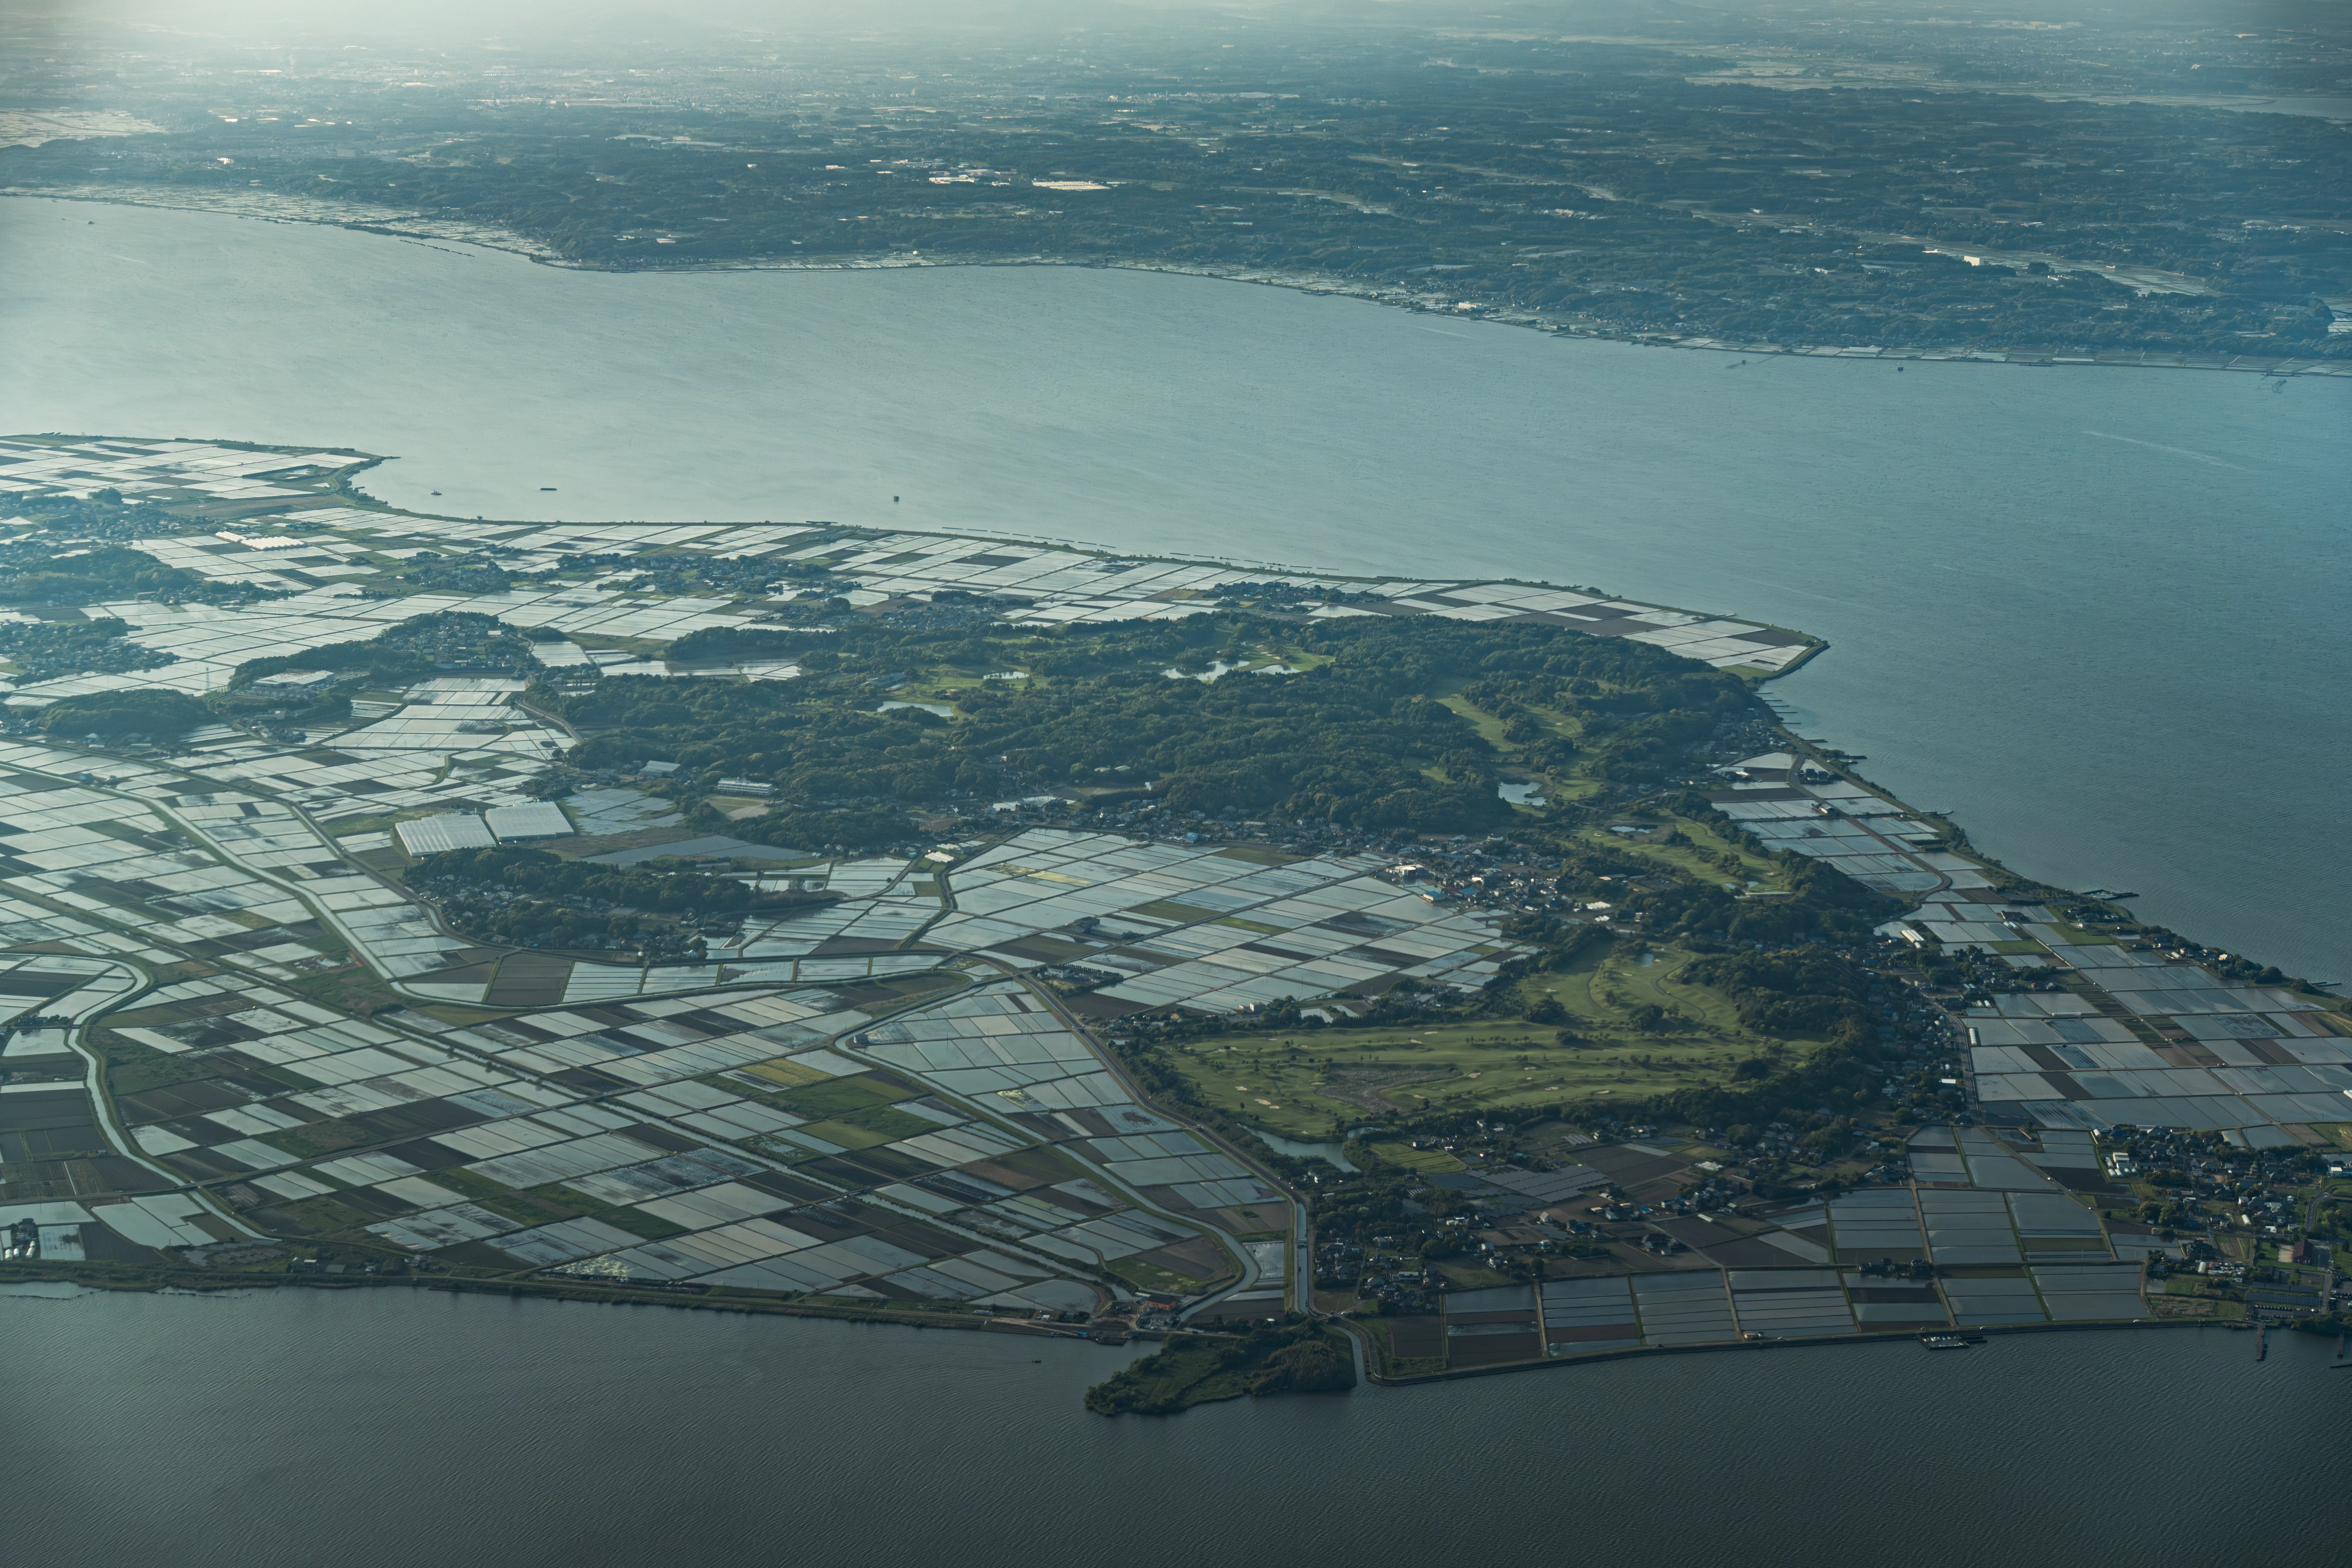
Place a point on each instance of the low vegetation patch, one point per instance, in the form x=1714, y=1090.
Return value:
x=1190, y=1368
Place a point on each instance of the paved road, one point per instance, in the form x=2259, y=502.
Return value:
x=1302, y=1283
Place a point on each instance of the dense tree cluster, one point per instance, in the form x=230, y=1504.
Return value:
x=43, y=650
x=1810, y=993
x=117, y=715
x=414, y=649
x=1361, y=739
x=43, y=569
x=536, y=873
x=430, y=570
x=101, y=516
x=532, y=898
x=676, y=572
x=1824, y=905
x=1294, y=1356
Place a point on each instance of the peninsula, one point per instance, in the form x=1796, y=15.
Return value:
x=989, y=934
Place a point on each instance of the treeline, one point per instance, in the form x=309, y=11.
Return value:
x=36, y=571
x=712, y=644
x=44, y=650
x=1290, y=1357
x=145, y=712
x=413, y=649
x=1807, y=993
x=1824, y=904
x=537, y=874
x=676, y=572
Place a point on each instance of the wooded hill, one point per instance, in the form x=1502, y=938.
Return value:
x=1360, y=736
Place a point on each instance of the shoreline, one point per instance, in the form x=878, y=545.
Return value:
x=1712, y=1347
x=149, y=1279
x=201, y=1283
x=418, y=227
x=347, y=486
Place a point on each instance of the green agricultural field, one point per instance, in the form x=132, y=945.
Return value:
x=1634, y=1030
x=1151, y=1277
x=1702, y=854
x=1470, y=1277
x=1427, y=1162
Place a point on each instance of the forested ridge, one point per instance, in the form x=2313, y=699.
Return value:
x=1359, y=735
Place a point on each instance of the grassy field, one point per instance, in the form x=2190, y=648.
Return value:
x=352, y=989
x=1698, y=858
x=1428, y=1161
x=1303, y=1083
x=1396, y=1365
x=1151, y=1277
x=1560, y=784
x=2084, y=935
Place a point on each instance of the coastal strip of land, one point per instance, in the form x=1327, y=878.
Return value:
x=424, y=227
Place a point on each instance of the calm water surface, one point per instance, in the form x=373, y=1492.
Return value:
x=302, y=1428
x=1334, y=1153
x=2094, y=613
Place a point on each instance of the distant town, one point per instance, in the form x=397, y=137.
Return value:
x=2113, y=189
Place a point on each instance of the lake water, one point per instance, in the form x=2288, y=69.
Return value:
x=303, y=1428
x=2097, y=613
x=1334, y=1153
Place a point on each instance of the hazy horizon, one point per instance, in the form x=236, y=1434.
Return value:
x=543, y=23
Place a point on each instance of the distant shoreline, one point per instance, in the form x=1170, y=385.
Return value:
x=417, y=226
